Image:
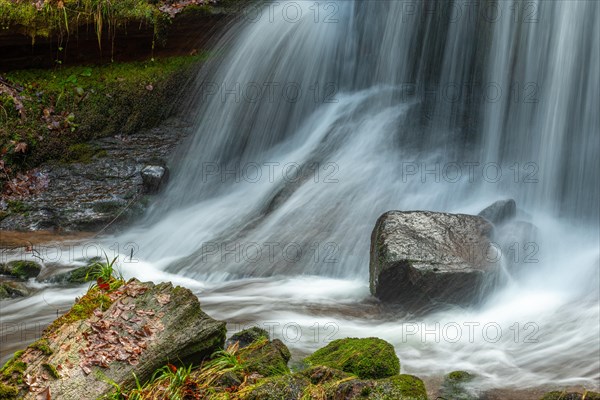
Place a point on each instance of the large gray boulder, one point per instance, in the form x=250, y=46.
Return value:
x=420, y=257
x=110, y=335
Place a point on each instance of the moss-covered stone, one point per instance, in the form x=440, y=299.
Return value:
x=399, y=387
x=51, y=370
x=12, y=372
x=43, y=346
x=564, y=395
x=268, y=358
x=248, y=336
x=369, y=358
x=322, y=374
x=82, y=309
x=276, y=388
x=22, y=269
x=8, y=392
x=12, y=289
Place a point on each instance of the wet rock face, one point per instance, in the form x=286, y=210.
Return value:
x=419, y=258
x=136, y=328
x=154, y=177
x=500, y=211
x=108, y=189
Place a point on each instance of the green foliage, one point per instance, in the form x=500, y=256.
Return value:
x=54, y=18
x=67, y=107
x=105, y=274
x=370, y=358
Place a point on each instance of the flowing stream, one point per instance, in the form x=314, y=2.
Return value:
x=317, y=117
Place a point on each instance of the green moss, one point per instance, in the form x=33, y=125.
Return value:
x=8, y=392
x=66, y=108
x=403, y=386
x=370, y=358
x=16, y=206
x=265, y=357
x=83, y=308
x=276, y=388
x=80, y=153
x=51, y=370
x=249, y=336
x=564, y=395
x=42, y=345
x=50, y=20
x=459, y=377
x=23, y=269
x=12, y=371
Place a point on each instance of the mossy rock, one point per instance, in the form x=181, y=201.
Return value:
x=10, y=290
x=8, y=392
x=268, y=358
x=11, y=374
x=322, y=374
x=564, y=395
x=22, y=269
x=399, y=387
x=369, y=358
x=248, y=336
x=455, y=386
x=76, y=276
x=276, y=388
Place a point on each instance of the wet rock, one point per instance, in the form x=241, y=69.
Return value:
x=258, y=354
x=22, y=269
x=322, y=374
x=108, y=336
x=284, y=387
x=419, y=258
x=76, y=276
x=558, y=395
x=393, y=388
x=247, y=337
x=368, y=358
x=104, y=192
x=267, y=358
x=500, y=211
x=154, y=177
x=456, y=386
x=11, y=289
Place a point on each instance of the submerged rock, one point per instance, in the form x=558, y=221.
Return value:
x=11, y=289
x=108, y=336
x=369, y=358
x=500, y=211
x=420, y=257
x=456, y=386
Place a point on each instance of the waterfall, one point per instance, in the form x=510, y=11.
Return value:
x=314, y=118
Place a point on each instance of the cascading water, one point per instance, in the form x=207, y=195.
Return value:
x=319, y=117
